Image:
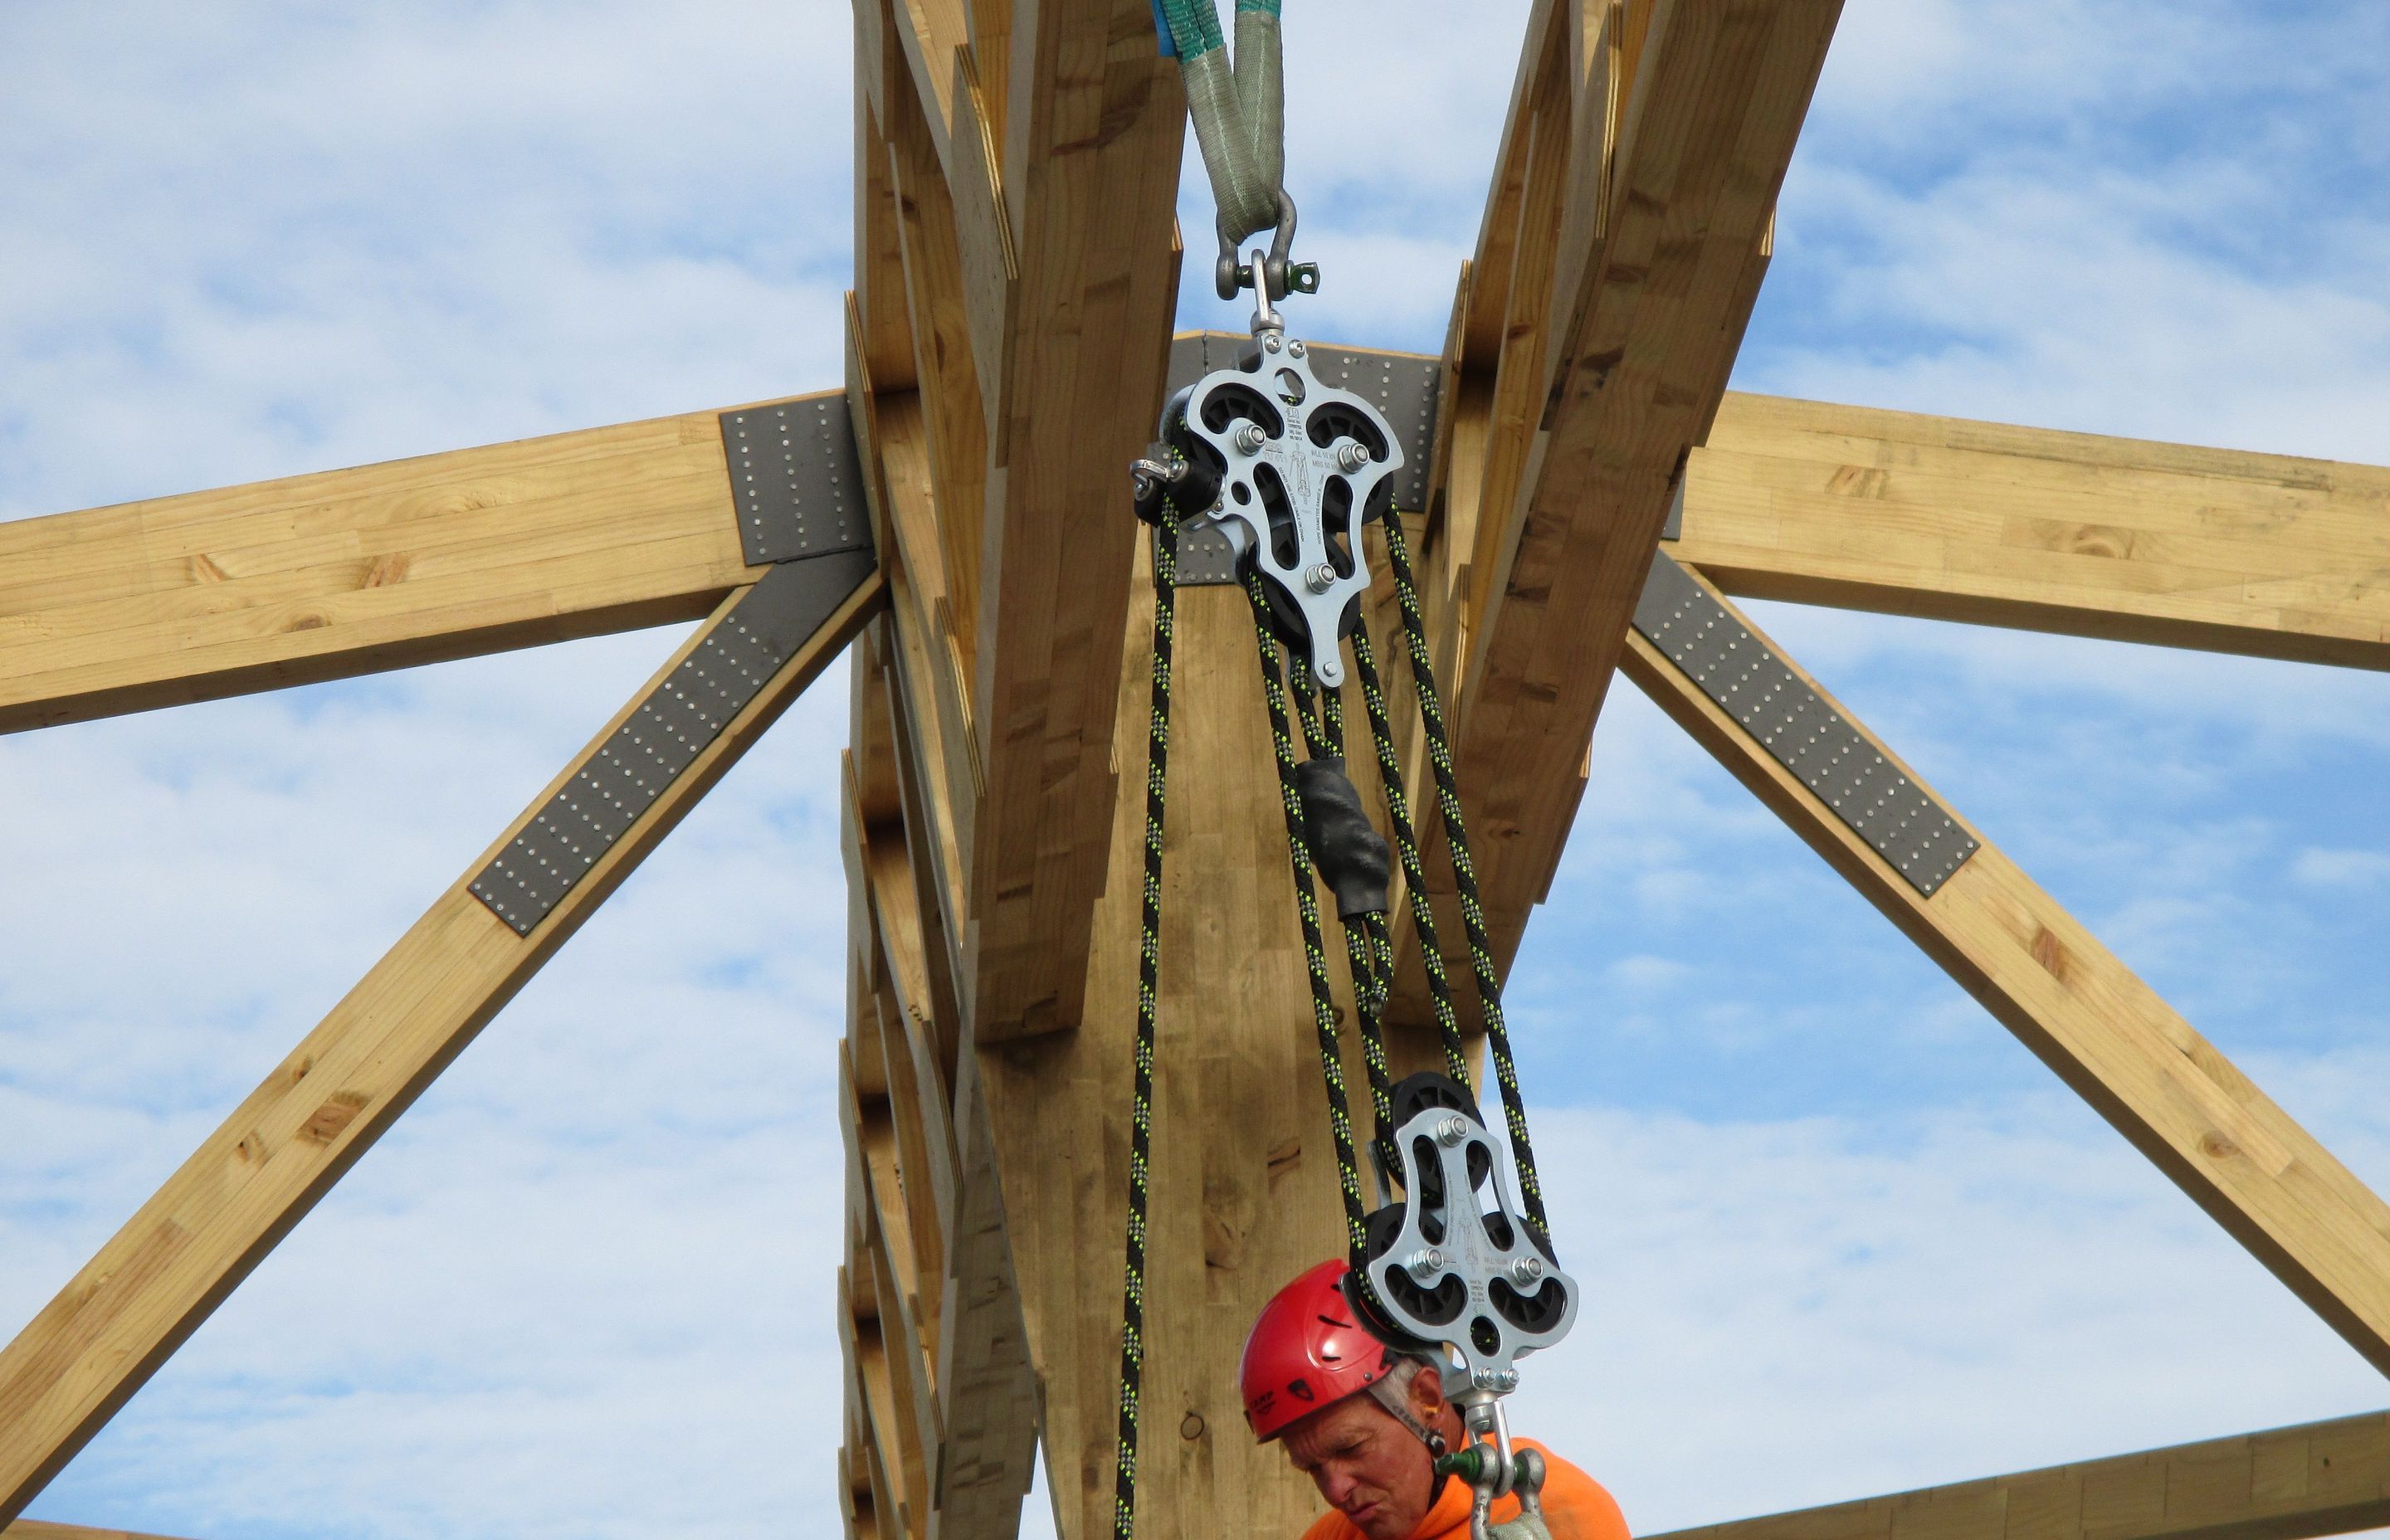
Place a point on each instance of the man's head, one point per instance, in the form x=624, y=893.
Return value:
x=1368, y=1458
x=1362, y=1420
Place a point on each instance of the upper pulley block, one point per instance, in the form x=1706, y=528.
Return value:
x=1295, y=468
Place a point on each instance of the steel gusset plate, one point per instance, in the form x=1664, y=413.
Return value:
x=664, y=735
x=796, y=480
x=1462, y=1273
x=1895, y=817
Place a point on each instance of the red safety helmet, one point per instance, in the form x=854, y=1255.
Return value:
x=1307, y=1350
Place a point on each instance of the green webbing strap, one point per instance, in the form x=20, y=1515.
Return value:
x=1239, y=113
x=1464, y=878
x=1149, y=965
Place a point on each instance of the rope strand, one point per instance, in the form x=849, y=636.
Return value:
x=1464, y=875
x=1371, y=983
x=1398, y=813
x=1323, y=999
x=1149, y=969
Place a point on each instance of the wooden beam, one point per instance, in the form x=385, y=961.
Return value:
x=989, y=1393
x=2291, y=1483
x=2262, y=554
x=342, y=572
x=2168, y=1090
x=1641, y=270
x=94, y=1345
x=960, y=1321
x=1242, y=1192
x=33, y=1529
x=1081, y=337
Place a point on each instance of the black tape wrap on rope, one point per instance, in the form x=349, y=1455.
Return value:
x=1368, y=948
x=1351, y=855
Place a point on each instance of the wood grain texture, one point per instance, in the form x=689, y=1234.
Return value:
x=1710, y=121
x=947, y=378
x=924, y=1208
x=2106, y=1033
x=342, y=572
x=1632, y=342
x=111, y=1327
x=1091, y=149
x=2262, y=554
x=1243, y=1188
x=2288, y=1483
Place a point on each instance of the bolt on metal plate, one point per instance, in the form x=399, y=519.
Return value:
x=1402, y=386
x=1894, y=816
x=575, y=827
x=796, y=479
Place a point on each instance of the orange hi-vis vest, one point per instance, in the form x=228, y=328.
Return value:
x=1575, y=1507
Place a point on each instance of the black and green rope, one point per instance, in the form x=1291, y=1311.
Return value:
x=1322, y=717
x=1306, y=903
x=1464, y=875
x=1140, y=1141
x=1407, y=846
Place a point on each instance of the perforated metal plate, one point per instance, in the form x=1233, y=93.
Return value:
x=664, y=736
x=798, y=483
x=1887, y=809
x=1205, y=556
x=1400, y=385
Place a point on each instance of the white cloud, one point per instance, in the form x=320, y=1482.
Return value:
x=2341, y=868
x=1782, y=1313
x=1842, y=1236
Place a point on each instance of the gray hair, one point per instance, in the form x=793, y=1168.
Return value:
x=1393, y=1392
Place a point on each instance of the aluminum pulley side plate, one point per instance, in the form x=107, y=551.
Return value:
x=1301, y=461
x=1459, y=1272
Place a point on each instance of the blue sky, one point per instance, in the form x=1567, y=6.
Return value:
x=1845, y=1235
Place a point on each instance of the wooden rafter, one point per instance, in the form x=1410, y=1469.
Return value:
x=2168, y=1090
x=86, y=1354
x=342, y=572
x=1017, y=165
x=33, y=1529
x=1092, y=132
x=2261, y=554
x=923, y=1192
x=2289, y=1484
x=1614, y=295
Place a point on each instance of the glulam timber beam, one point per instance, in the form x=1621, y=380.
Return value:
x=1027, y=1333
x=2289, y=1484
x=925, y=1212
x=1938, y=517
x=86, y=1354
x=1623, y=247
x=341, y=572
x=1073, y=348
x=2104, y=1032
x=1242, y=1192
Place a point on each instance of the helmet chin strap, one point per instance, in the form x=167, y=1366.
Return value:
x=1393, y=1392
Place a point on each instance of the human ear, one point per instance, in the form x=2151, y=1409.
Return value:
x=1427, y=1394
